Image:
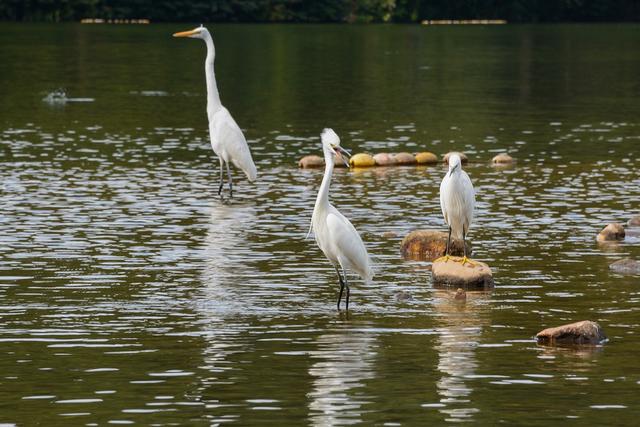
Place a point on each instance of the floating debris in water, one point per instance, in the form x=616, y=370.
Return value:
x=59, y=97
x=149, y=93
x=114, y=21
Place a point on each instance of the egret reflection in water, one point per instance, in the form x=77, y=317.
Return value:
x=460, y=330
x=342, y=363
x=229, y=265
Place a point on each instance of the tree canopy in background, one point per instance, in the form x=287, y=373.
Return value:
x=321, y=10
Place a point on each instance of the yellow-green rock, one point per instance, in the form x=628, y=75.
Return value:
x=361, y=160
x=426, y=158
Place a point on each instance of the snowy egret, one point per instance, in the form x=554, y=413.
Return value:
x=227, y=139
x=457, y=200
x=334, y=234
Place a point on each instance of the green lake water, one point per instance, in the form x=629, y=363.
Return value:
x=130, y=293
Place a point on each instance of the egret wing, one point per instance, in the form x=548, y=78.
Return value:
x=232, y=141
x=443, y=205
x=348, y=244
x=469, y=199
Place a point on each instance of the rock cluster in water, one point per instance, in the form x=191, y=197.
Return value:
x=364, y=160
x=584, y=332
x=427, y=245
x=453, y=273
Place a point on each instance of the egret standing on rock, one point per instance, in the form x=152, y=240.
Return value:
x=335, y=235
x=227, y=139
x=457, y=200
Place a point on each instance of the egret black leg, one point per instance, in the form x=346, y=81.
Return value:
x=448, y=242
x=341, y=287
x=464, y=242
x=221, y=177
x=230, y=181
x=346, y=283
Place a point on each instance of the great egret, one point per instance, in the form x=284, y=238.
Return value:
x=227, y=139
x=457, y=200
x=335, y=235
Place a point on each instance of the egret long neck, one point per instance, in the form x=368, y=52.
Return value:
x=213, y=97
x=322, y=201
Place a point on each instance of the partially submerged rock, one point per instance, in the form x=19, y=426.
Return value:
x=312, y=161
x=404, y=159
x=425, y=158
x=584, y=332
x=403, y=295
x=634, y=221
x=502, y=159
x=384, y=159
x=361, y=160
x=626, y=266
x=453, y=273
x=612, y=232
x=460, y=295
x=427, y=245
x=463, y=157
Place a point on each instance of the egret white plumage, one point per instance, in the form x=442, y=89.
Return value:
x=334, y=234
x=227, y=139
x=457, y=200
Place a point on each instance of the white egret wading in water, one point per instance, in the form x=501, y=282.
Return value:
x=457, y=200
x=227, y=139
x=335, y=235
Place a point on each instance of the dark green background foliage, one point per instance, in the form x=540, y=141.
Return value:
x=321, y=10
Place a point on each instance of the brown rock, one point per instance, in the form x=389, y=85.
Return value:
x=384, y=159
x=427, y=245
x=626, y=266
x=311, y=162
x=339, y=161
x=502, y=158
x=460, y=295
x=389, y=234
x=425, y=158
x=634, y=221
x=452, y=273
x=585, y=332
x=404, y=158
x=612, y=232
x=463, y=157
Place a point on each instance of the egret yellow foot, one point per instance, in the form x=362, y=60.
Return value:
x=466, y=260
x=445, y=258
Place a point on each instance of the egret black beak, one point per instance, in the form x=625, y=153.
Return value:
x=342, y=154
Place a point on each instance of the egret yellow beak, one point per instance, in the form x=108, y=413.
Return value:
x=184, y=33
